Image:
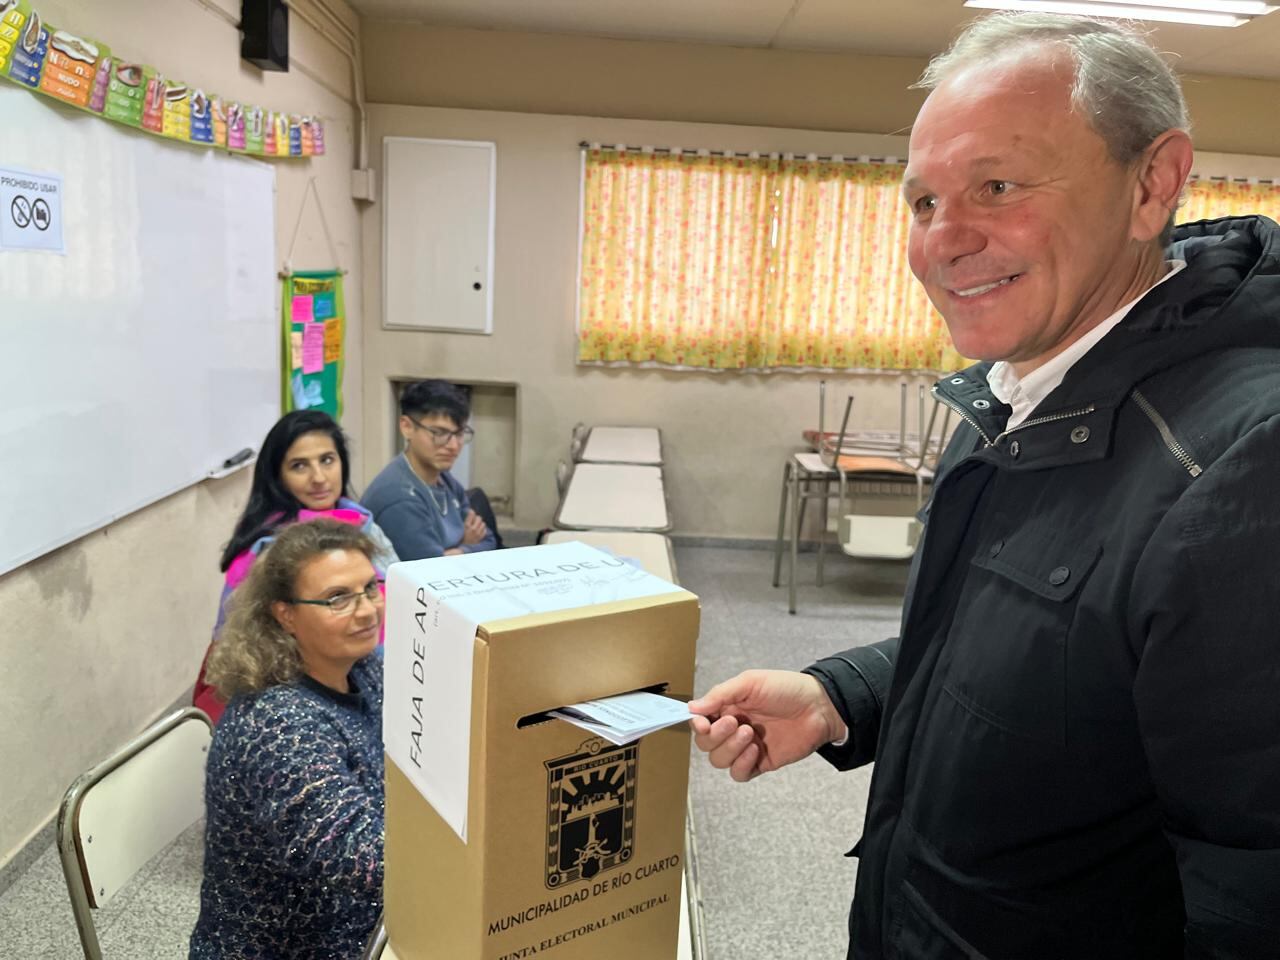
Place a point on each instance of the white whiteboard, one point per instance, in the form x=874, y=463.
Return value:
x=147, y=354
x=437, y=234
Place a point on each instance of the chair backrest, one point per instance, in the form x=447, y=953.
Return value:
x=121, y=813
x=831, y=453
x=562, y=478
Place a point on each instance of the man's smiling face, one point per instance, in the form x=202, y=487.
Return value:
x=1021, y=229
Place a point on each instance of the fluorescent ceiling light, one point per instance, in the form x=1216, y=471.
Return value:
x=1170, y=11
x=1245, y=8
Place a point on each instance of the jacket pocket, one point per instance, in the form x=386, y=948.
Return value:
x=1008, y=640
x=922, y=935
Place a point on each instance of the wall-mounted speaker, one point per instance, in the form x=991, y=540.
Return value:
x=264, y=30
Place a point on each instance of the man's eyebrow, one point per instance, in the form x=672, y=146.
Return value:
x=977, y=164
x=912, y=184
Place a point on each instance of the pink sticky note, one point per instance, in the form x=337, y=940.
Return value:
x=313, y=347
x=302, y=311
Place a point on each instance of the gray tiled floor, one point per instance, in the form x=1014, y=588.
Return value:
x=772, y=878
x=150, y=918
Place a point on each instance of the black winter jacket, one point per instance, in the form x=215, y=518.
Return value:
x=1078, y=734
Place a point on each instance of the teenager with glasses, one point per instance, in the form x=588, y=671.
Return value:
x=421, y=506
x=302, y=473
x=294, y=788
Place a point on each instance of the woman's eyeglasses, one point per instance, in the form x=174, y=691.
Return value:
x=347, y=602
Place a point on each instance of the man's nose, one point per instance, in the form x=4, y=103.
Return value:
x=954, y=232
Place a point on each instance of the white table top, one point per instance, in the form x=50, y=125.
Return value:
x=623, y=445
x=652, y=550
x=616, y=497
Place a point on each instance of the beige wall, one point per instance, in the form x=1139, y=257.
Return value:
x=102, y=634
x=540, y=73
x=726, y=435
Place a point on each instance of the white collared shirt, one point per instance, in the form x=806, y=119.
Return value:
x=1026, y=394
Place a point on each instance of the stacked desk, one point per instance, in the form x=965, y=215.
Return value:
x=614, y=496
x=637, y=445
x=651, y=550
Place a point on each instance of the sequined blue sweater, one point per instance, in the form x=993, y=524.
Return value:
x=294, y=831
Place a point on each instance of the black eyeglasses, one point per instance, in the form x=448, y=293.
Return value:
x=441, y=436
x=347, y=602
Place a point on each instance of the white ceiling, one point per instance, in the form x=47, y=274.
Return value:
x=889, y=27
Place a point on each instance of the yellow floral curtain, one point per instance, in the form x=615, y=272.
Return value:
x=750, y=263
x=742, y=263
x=1210, y=199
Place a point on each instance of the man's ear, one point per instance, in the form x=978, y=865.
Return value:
x=283, y=612
x=1162, y=172
x=406, y=427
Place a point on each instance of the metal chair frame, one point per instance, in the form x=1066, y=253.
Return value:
x=915, y=466
x=86, y=894
x=889, y=465
x=805, y=477
x=377, y=945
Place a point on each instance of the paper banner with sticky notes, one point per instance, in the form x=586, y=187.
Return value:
x=312, y=323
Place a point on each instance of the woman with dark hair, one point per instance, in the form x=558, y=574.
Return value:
x=302, y=473
x=294, y=788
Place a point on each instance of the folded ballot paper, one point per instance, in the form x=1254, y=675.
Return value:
x=626, y=717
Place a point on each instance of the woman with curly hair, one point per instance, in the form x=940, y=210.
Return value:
x=294, y=789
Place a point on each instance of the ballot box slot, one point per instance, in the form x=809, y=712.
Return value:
x=545, y=716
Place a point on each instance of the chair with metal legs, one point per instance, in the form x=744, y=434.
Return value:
x=808, y=476
x=804, y=477
x=911, y=466
x=128, y=808
x=881, y=537
x=866, y=464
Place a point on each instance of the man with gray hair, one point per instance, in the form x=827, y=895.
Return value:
x=1077, y=732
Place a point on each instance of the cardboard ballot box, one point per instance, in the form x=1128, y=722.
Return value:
x=511, y=834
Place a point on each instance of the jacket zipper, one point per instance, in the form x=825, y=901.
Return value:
x=963, y=414
x=1065, y=415
x=1179, y=452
